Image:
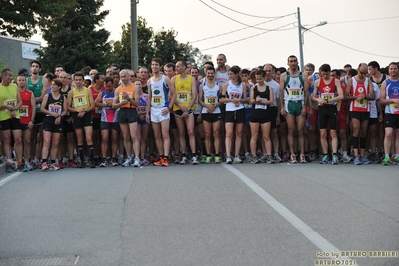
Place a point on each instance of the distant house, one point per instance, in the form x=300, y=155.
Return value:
x=16, y=53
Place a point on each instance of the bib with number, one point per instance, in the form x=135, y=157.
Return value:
x=363, y=103
x=55, y=108
x=294, y=92
x=80, y=100
x=327, y=96
x=211, y=100
x=183, y=97
x=23, y=111
x=121, y=98
x=157, y=101
x=10, y=102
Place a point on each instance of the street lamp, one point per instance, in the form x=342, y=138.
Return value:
x=300, y=34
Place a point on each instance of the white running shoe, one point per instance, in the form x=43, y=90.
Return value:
x=127, y=162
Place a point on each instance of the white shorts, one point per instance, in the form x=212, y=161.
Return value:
x=156, y=115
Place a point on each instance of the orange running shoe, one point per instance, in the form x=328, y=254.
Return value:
x=165, y=162
x=159, y=162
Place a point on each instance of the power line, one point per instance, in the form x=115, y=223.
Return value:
x=239, y=12
x=357, y=50
x=220, y=13
x=243, y=39
x=361, y=20
x=226, y=33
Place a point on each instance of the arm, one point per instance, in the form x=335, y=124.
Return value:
x=33, y=107
x=224, y=98
x=44, y=110
x=64, y=107
x=194, y=93
x=98, y=103
x=115, y=103
x=91, y=101
x=348, y=97
x=340, y=92
x=282, y=81
x=371, y=95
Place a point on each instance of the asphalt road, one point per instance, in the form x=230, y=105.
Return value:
x=201, y=215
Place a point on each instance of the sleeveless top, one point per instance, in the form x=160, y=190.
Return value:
x=25, y=111
x=108, y=114
x=8, y=96
x=183, y=90
x=210, y=96
x=234, y=92
x=36, y=89
x=260, y=110
x=130, y=91
x=327, y=91
x=391, y=92
x=159, y=93
x=80, y=99
x=293, y=88
x=54, y=105
x=359, y=87
x=96, y=113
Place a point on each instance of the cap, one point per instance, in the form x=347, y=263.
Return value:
x=88, y=78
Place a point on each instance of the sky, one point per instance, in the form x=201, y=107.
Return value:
x=356, y=31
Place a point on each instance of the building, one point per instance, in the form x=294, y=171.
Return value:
x=16, y=53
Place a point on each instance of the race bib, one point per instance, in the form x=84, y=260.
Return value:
x=294, y=92
x=327, y=96
x=121, y=98
x=141, y=109
x=97, y=110
x=10, y=102
x=363, y=103
x=235, y=95
x=183, y=97
x=261, y=105
x=80, y=100
x=55, y=108
x=211, y=100
x=156, y=101
x=23, y=111
x=394, y=109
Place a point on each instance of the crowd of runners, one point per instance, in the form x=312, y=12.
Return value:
x=178, y=113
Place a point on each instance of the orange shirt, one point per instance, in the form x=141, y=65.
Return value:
x=130, y=91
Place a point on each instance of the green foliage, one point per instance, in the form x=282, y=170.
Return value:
x=162, y=44
x=74, y=40
x=19, y=18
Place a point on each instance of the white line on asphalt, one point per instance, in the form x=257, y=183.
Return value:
x=308, y=232
x=9, y=178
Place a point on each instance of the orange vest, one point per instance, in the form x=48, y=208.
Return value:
x=130, y=91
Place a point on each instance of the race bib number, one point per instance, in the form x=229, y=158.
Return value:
x=80, y=100
x=55, y=108
x=156, y=101
x=23, y=111
x=363, y=103
x=183, y=97
x=141, y=109
x=261, y=105
x=235, y=95
x=211, y=100
x=293, y=92
x=394, y=109
x=121, y=98
x=327, y=96
x=10, y=102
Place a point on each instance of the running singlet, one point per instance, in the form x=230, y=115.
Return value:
x=183, y=90
x=159, y=93
x=141, y=109
x=222, y=77
x=327, y=92
x=130, y=91
x=384, y=77
x=358, y=88
x=54, y=105
x=293, y=88
x=373, y=103
x=8, y=96
x=80, y=99
x=234, y=92
x=259, y=110
x=25, y=111
x=36, y=89
x=108, y=114
x=391, y=92
x=211, y=96
x=96, y=113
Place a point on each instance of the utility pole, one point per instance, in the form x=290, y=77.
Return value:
x=300, y=40
x=133, y=34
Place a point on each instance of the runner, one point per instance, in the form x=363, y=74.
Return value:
x=142, y=125
x=159, y=104
x=54, y=106
x=329, y=92
x=234, y=96
x=183, y=109
x=209, y=99
x=359, y=91
x=294, y=99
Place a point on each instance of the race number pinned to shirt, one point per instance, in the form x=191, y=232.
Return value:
x=55, y=108
x=11, y=102
x=327, y=96
x=156, y=100
x=80, y=100
x=183, y=97
x=23, y=111
x=294, y=92
x=211, y=100
x=261, y=105
x=363, y=103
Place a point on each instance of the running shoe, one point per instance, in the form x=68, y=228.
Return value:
x=255, y=160
x=60, y=164
x=114, y=162
x=195, y=160
x=176, y=159
x=22, y=168
x=375, y=158
x=324, y=160
x=217, y=159
x=90, y=164
x=277, y=158
x=44, y=166
x=55, y=167
x=248, y=157
x=184, y=160
x=365, y=160
x=28, y=166
x=104, y=163
x=203, y=159
x=137, y=162
x=386, y=161
x=346, y=158
x=302, y=158
x=335, y=159
x=72, y=164
x=357, y=161
x=312, y=155
x=159, y=162
x=127, y=162
x=165, y=162
x=263, y=158
x=229, y=160
x=208, y=159
x=293, y=159
x=237, y=159
x=269, y=159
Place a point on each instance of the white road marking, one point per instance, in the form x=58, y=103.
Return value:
x=9, y=178
x=308, y=232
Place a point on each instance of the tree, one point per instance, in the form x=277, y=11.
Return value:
x=74, y=40
x=21, y=18
x=162, y=44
